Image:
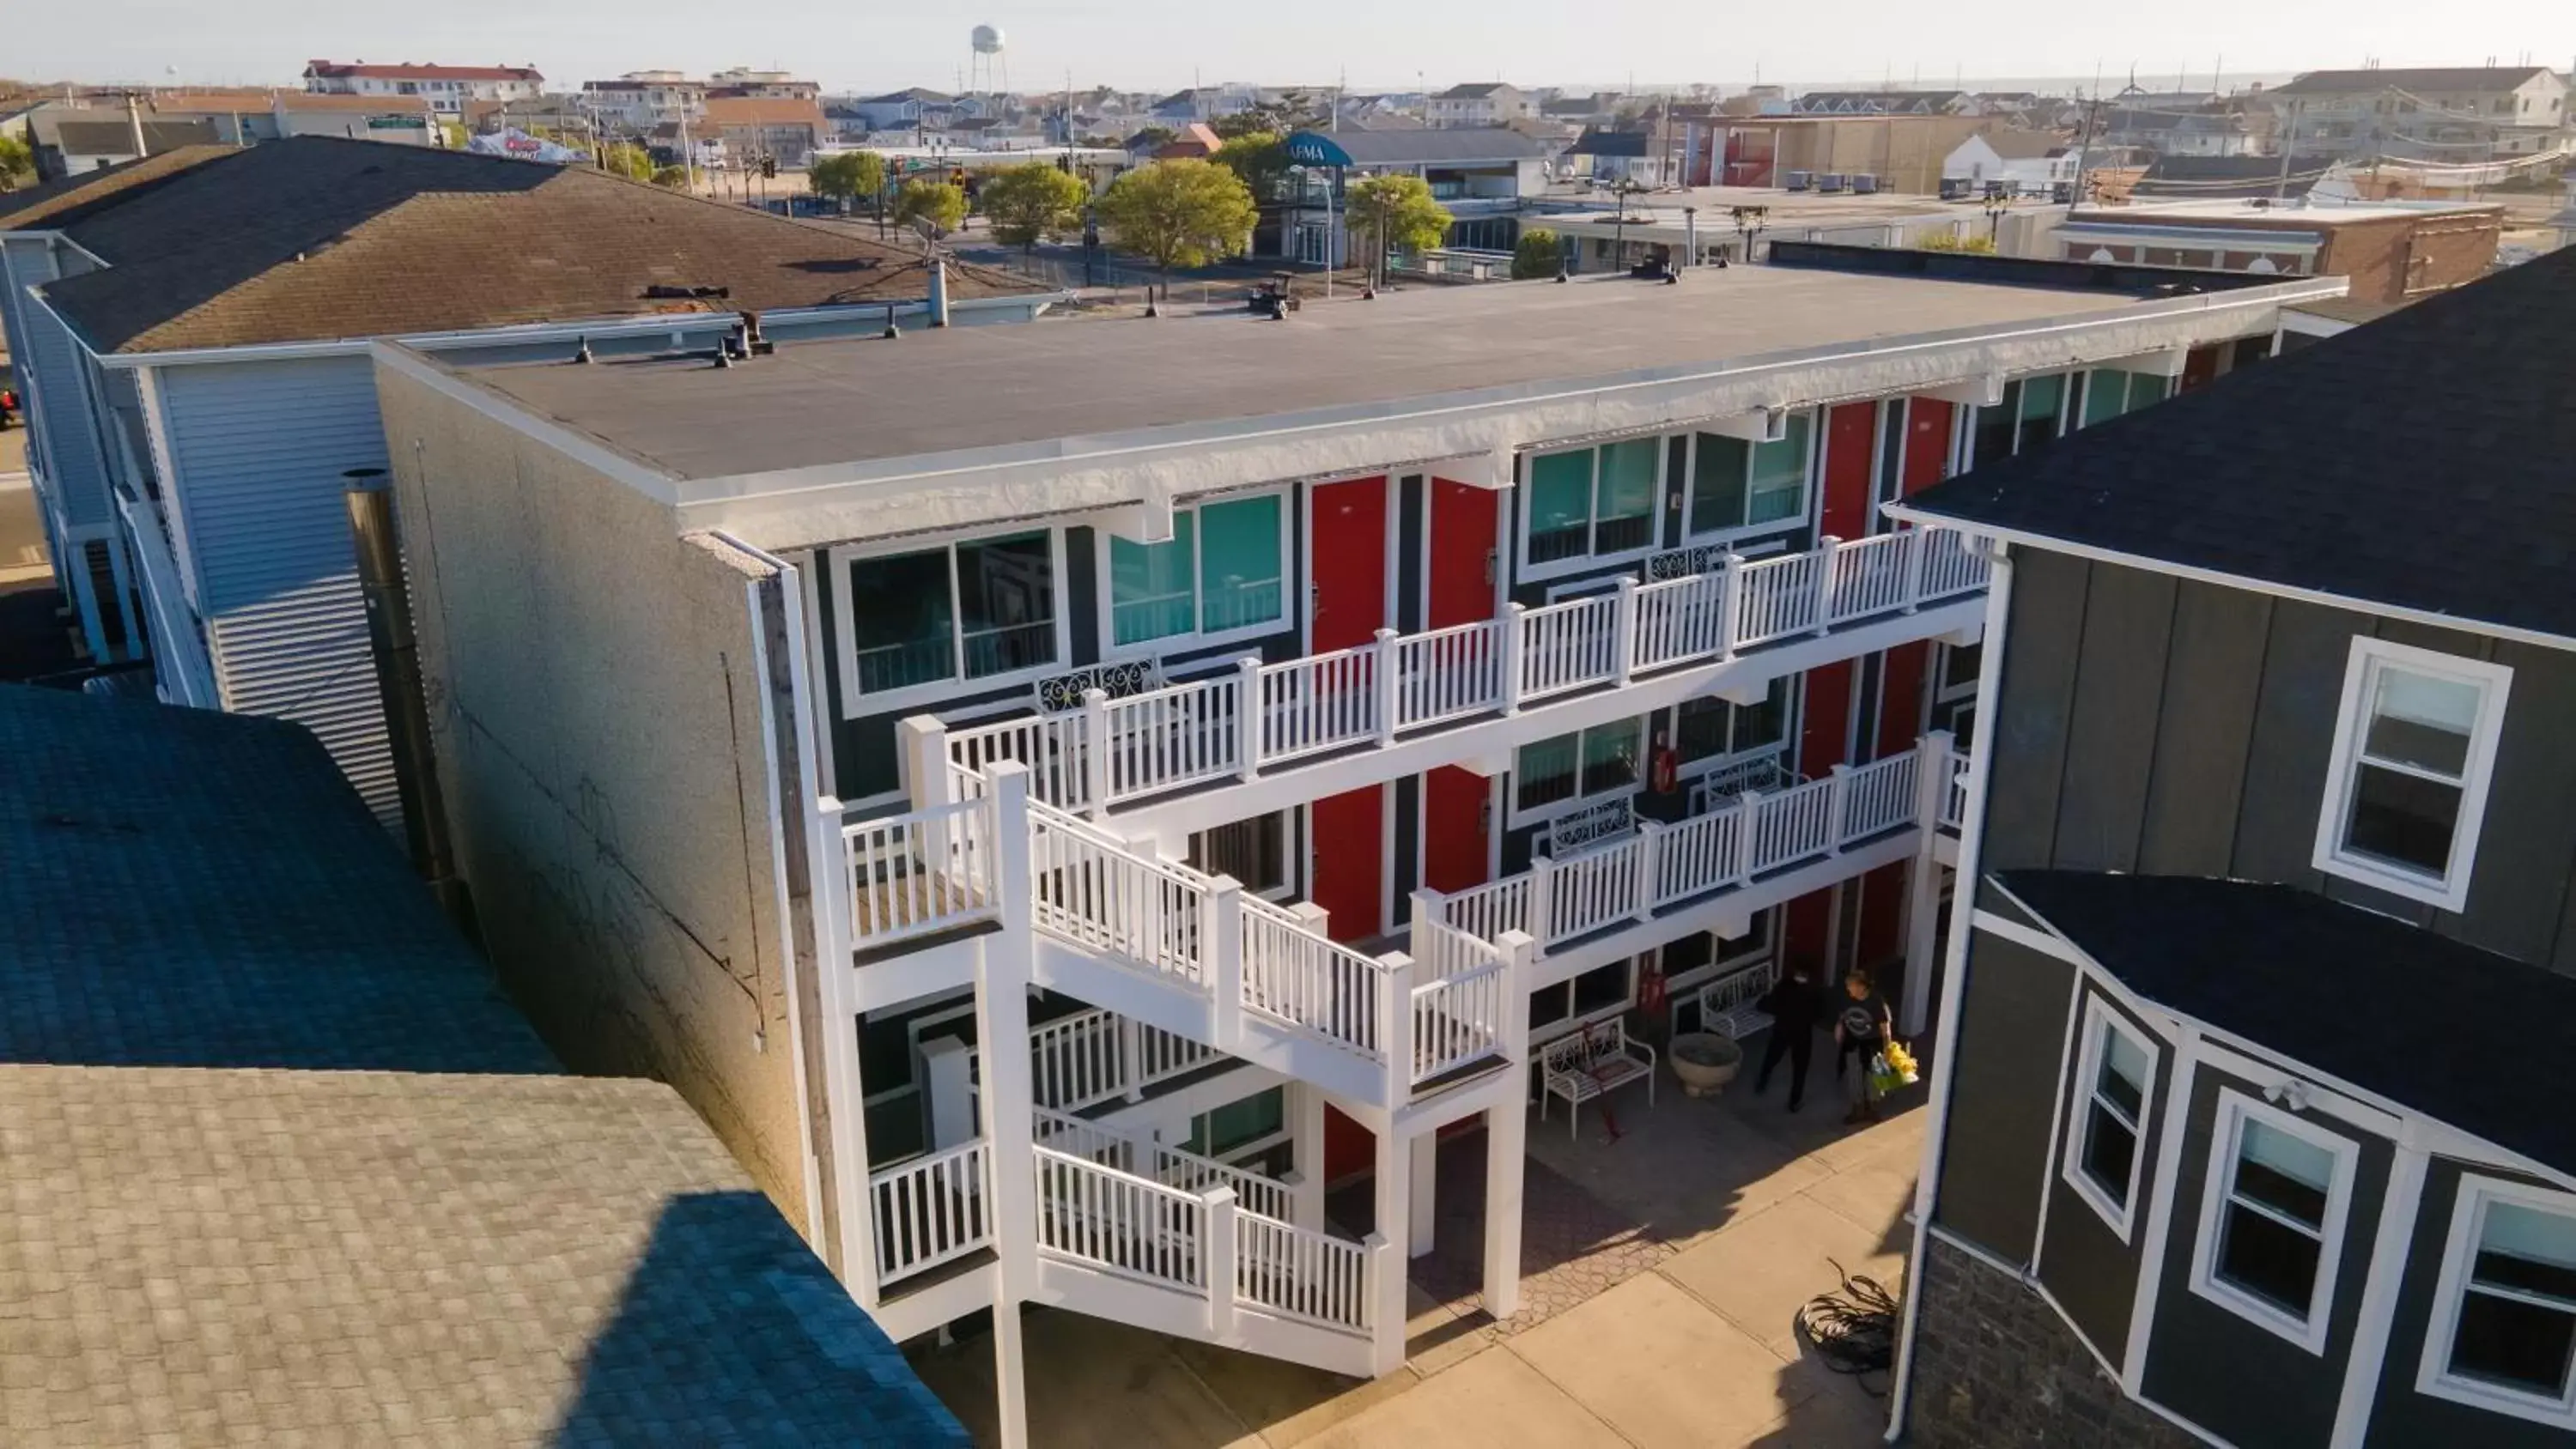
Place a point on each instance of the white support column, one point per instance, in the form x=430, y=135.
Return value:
x=1383, y=681
x=1387, y=1316
x=1002, y=1022
x=1730, y=603
x=921, y=751
x=1747, y=824
x=843, y=1088
x=1395, y=1025
x=1650, y=858
x=1623, y=631
x=1542, y=892
x=1131, y=1057
x=1827, y=548
x=1306, y=1134
x=1923, y=883
x=1248, y=718
x=1010, y=1379
x=1218, y=1207
x=129, y=613
x=1393, y=1213
x=1512, y=640
x=1837, y=806
x=1221, y=952
x=1917, y=545
x=1096, y=750
x=1422, y=1157
x=1506, y=1155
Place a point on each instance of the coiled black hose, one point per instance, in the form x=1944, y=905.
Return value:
x=1854, y=1330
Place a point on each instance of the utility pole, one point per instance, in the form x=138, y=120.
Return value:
x=2281, y=186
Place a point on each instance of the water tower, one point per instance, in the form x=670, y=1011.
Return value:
x=986, y=71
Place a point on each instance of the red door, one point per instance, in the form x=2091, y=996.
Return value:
x=1350, y=861
x=1462, y=554
x=1454, y=826
x=1927, y=442
x=1348, y=551
x=1851, y=461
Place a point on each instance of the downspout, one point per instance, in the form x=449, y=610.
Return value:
x=397, y=659
x=938, y=291
x=1963, y=899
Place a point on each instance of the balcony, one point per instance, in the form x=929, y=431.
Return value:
x=1147, y=749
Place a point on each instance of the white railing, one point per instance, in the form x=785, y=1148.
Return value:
x=1303, y=980
x=1878, y=796
x=1095, y=892
x=1301, y=1273
x=910, y=875
x=1591, y=888
x=1322, y=702
x=1460, y=1019
x=1790, y=826
x=1954, y=795
x=1098, y=1056
x=930, y=1211
x=1170, y=1166
x=1699, y=854
x=1110, y=752
x=1487, y=911
x=1118, y=1221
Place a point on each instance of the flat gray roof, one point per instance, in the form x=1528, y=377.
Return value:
x=975, y=387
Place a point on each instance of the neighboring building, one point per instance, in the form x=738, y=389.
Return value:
x=762, y=85
x=445, y=87
x=754, y=129
x=1480, y=103
x=1480, y=175
x=1204, y=103
x=2277, y=803
x=1331, y=720
x=1193, y=142
x=2213, y=129
x=2025, y=163
x=266, y=1115
x=643, y=99
x=2231, y=178
x=192, y=408
x=1904, y=152
x=1886, y=103
x=2450, y=115
x=914, y=109
x=2391, y=253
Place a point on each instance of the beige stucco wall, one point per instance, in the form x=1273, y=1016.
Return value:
x=594, y=696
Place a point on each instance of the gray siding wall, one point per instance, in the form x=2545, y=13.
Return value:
x=2178, y=728
x=2229, y=1376
x=258, y=449
x=2082, y=1262
x=58, y=397
x=2012, y=1029
x=2402, y=1418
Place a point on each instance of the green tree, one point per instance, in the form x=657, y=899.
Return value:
x=1396, y=214
x=1261, y=159
x=1295, y=110
x=847, y=175
x=1179, y=213
x=675, y=177
x=627, y=161
x=1031, y=202
x=17, y=163
x=1537, y=254
x=936, y=207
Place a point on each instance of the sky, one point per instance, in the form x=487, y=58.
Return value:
x=1166, y=44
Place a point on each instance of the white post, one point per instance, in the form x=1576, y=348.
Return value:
x=1923, y=883
x=1131, y=1057
x=1382, y=681
x=1427, y=909
x=1423, y=1161
x=1827, y=548
x=1519, y=952
x=948, y=1089
x=1306, y=1133
x=1393, y=1213
x=1221, y=955
x=1314, y=919
x=1095, y=750
x=1932, y=766
x=1395, y=1024
x=1542, y=894
x=1248, y=718
x=1730, y=603
x=1217, y=1207
x=1512, y=643
x=1748, y=823
x=1650, y=857
x=922, y=755
x=1506, y=1154
x=1917, y=543
x=1010, y=1381
x=1003, y=963
x=1623, y=630
x=1837, y=805
x=1387, y=1318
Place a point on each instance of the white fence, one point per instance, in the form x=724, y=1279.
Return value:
x=1301, y=1273
x=1257, y=715
x=930, y=1211
x=1300, y=979
x=1098, y=1056
x=1118, y=1221
x=911, y=875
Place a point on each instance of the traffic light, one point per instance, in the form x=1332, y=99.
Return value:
x=957, y=177
x=769, y=166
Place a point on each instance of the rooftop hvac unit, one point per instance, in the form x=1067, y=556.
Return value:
x=1864, y=185
x=1832, y=182
x=1800, y=180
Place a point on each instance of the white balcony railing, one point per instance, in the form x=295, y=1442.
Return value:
x=1259, y=716
x=1954, y=797
x=1098, y=1056
x=931, y=1210
x=1168, y=1165
x=911, y=875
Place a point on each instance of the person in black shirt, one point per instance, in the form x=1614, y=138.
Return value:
x=1862, y=1027
x=1795, y=1005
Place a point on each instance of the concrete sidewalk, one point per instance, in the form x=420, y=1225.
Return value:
x=1741, y=1213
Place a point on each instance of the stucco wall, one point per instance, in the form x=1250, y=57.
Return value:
x=594, y=692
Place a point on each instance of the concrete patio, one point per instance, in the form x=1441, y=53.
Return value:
x=1663, y=1272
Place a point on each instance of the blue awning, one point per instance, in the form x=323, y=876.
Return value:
x=1314, y=148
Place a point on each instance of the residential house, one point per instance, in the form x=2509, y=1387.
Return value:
x=2391, y=252
x=1193, y=142
x=2211, y=131
x=376, y=1154
x=2022, y=163
x=2232, y=178
x=2276, y=805
x=642, y=99
x=757, y=130
x=1478, y=103
x=193, y=410
x=741, y=83
x=2450, y=115
x=1634, y=155
x=1904, y=152
x=1479, y=174
x=1204, y=103
x=911, y=109
x=446, y=87
x=1349, y=731
x=1886, y=103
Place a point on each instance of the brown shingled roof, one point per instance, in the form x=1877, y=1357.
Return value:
x=58, y=203
x=318, y=238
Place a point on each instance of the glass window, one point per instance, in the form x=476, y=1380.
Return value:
x=2509, y=1287
x=2413, y=745
x=2118, y=1068
x=1996, y=425
x=2041, y=400
x=1699, y=731
x=1560, y=506
x=1006, y=604
x=1149, y=585
x=1624, y=512
x=2272, y=1222
x=1223, y=570
x=1239, y=563
x=1610, y=756
x=1758, y=726
x=1604, y=759
x=1238, y=1124
x=1543, y=772
x=1254, y=852
x=1778, y=489
x=1719, y=471
x=2106, y=396
x=900, y=626
x=1594, y=501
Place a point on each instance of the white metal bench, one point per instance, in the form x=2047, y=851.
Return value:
x=1730, y=1006
x=1590, y=1062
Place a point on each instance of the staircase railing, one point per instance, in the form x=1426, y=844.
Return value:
x=931, y=1210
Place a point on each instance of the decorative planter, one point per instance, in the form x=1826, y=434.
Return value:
x=1705, y=1061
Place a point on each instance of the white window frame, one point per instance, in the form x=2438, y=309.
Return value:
x=2450, y=890
x=2433, y=1376
x=2100, y=1020
x=1530, y=573
x=1515, y=817
x=857, y=705
x=1686, y=771
x=2309, y=1331
x=1200, y=637
x=1808, y=489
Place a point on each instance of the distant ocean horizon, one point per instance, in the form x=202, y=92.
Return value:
x=2112, y=83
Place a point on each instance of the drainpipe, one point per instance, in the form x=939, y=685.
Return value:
x=397, y=659
x=938, y=291
x=134, y=120
x=1963, y=906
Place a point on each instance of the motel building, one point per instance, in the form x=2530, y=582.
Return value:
x=1195, y=765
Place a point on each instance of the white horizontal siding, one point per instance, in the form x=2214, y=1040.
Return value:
x=259, y=449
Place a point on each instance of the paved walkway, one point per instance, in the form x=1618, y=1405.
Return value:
x=1663, y=1272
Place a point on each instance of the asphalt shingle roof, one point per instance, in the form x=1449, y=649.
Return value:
x=2315, y=979
x=2421, y=462
x=317, y=238
x=2440, y=78
x=278, y=1165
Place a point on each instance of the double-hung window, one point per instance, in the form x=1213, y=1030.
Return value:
x=1593, y=503
x=2408, y=785
x=1708, y=728
x=1603, y=760
x=977, y=610
x=2109, y=392
x=2271, y=1220
x=1223, y=574
x=2503, y=1334
x=1742, y=488
x=2115, y=1074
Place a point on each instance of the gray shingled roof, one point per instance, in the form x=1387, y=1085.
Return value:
x=282, y=1166
x=2439, y=78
